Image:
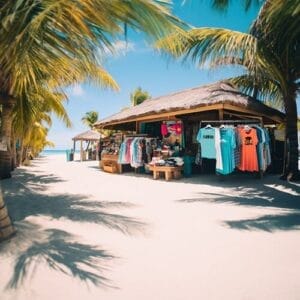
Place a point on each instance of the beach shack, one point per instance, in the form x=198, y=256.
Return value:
x=177, y=125
x=88, y=144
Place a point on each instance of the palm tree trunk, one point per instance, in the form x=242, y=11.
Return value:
x=13, y=152
x=291, y=170
x=6, y=227
x=5, y=136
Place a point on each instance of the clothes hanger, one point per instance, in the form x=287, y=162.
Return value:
x=247, y=127
x=222, y=126
x=208, y=126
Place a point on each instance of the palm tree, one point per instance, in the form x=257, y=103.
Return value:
x=32, y=113
x=62, y=40
x=270, y=53
x=90, y=118
x=139, y=96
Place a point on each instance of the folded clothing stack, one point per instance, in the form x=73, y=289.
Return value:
x=169, y=162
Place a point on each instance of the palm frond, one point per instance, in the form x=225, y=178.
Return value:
x=264, y=89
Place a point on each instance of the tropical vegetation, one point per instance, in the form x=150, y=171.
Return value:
x=138, y=96
x=90, y=118
x=270, y=54
x=50, y=43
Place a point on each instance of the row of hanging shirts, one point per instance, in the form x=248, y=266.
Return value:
x=136, y=151
x=246, y=147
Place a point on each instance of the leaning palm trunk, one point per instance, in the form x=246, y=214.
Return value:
x=5, y=137
x=6, y=227
x=291, y=166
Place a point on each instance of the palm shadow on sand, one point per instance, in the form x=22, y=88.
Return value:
x=282, y=197
x=24, y=201
x=59, y=249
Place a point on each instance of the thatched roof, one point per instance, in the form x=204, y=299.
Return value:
x=90, y=135
x=207, y=95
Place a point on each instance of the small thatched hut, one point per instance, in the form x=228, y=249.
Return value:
x=90, y=136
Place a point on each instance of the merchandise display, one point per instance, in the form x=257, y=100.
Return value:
x=170, y=162
x=243, y=147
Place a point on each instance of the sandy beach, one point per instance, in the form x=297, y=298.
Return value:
x=86, y=234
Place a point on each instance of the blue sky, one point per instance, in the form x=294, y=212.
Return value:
x=138, y=65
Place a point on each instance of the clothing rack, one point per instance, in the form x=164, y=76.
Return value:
x=136, y=135
x=231, y=122
x=248, y=122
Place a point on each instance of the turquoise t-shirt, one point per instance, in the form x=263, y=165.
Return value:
x=206, y=137
x=228, y=144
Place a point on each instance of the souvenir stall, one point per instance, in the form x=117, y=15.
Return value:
x=88, y=144
x=109, y=152
x=213, y=128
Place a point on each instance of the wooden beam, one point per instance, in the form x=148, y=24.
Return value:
x=252, y=112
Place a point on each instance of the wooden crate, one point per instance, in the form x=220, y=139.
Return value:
x=110, y=167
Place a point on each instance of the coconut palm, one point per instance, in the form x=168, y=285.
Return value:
x=138, y=96
x=61, y=40
x=90, y=118
x=33, y=112
x=270, y=53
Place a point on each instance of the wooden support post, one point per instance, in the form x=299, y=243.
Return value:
x=81, y=151
x=137, y=127
x=221, y=114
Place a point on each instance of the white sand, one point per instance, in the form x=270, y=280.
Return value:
x=85, y=234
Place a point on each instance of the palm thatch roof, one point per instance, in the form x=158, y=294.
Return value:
x=191, y=99
x=90, y=135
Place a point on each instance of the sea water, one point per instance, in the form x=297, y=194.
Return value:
x=53, y=152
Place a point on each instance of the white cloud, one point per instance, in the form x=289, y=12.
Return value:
x=123, y=47
x=119, y=48
x=77, y=90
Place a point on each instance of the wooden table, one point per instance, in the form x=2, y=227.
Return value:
x=170, y=172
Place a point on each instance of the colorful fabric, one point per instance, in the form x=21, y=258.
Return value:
x=237, y=153
x=178, y=128
x=249, y=161
x=260, y=148
x=268, y=147
x=206, y=137
x=228, y=144
x=219, y=162
x=164, y=129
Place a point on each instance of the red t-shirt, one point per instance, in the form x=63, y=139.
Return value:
x=248, y=140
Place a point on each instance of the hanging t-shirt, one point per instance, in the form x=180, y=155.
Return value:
x=228, y=144
x=206, y=137
x=219, y=162
x=164, y=129
x=260, y=148
x=249, y=161
x=267, y=145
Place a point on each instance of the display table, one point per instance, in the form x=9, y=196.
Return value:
x=170, y=172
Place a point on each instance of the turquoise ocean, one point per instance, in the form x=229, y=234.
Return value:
x=54, y=152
